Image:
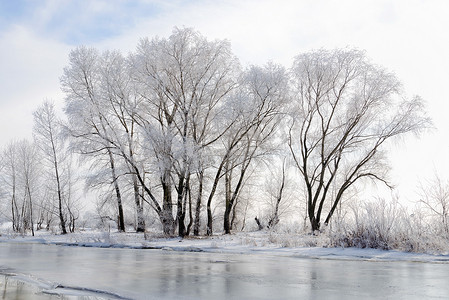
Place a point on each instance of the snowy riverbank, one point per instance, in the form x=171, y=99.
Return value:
x=261, y=242
x=249, y=265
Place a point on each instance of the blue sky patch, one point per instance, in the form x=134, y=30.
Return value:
x=79, y=21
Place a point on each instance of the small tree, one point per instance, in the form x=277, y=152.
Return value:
x=435, y=197
x=29, y=182
x=9, y=181
x=276, y=187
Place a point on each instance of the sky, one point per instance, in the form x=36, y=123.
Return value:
x=408, y=37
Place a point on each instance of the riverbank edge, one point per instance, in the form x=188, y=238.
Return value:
x=241, y=243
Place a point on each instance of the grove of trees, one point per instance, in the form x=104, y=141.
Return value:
x=179, y=132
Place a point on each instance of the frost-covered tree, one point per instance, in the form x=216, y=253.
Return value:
x=184, y=80
x=345, y=108
x=258, y=104
x=9, y=183
x=48, y=138
x=177, y=121
x=21, y=182
x=434, y=196
x=86, y=108
x=278, y=189
x=121, y=107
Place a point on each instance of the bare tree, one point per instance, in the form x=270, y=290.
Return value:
x=88, y=121
x=21, y=184
x=10, y=182
x=435, y=197
x=183, y=80
x=71, y=198
x=261, y=97
x=277, y=187
x=345, y=109
x=28, y=181
x=121, y=108
x=48, y=139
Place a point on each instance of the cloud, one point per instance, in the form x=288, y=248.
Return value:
x=78, y=21
x=30, y=71
x=406, y=36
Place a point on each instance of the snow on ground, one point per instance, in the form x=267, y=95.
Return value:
x=261, y=242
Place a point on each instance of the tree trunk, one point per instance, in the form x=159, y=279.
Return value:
x=137, y=199
x=61, y=215
x=197, y=223
x=185, y=193
x=212, y=193
x=13, y=215
x=179, y=214
x=234, y=215
x=139, y=206
x=14, y=208
x=232, y=200
x=244, y=216
x=31, y=210
x=23, y=220
x=314, y=222
x=189, y=195
x=209, y=229
x=259, y=225
x=168, y=223
x=15, y=212
x=164, y=213
x=228, y=203
x=275, y=218
x=226, y=225
x=72, y=229
x=121, y=220
x=58, y=183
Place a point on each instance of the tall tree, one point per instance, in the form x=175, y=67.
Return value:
x=184, y=80
x=121, y=108
x=47, y=134
x=345, y=109
x=88, y=122
x=260, y=100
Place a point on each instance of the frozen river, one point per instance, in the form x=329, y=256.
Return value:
x=159, y=274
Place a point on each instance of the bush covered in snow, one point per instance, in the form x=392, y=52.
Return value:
x=388, y=225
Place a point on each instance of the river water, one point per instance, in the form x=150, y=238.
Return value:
x=159, y=274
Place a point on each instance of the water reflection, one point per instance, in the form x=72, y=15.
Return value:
x=155, y=274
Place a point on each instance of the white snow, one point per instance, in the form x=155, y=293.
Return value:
x=261, y=242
